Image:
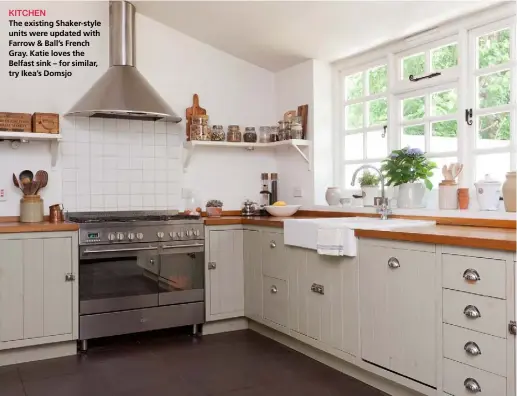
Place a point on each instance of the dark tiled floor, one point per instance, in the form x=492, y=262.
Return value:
x=232, y=364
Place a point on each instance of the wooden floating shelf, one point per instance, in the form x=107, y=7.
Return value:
x=298, y=144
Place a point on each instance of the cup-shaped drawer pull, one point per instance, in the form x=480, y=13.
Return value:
x=272, y=244
x=472, y=385
x=471, y=275
x=393, y=263
x=274, y=289
x=472, y=312
x=472, y=348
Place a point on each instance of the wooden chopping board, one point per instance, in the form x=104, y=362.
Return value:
x=303, y=111
x=191, y=111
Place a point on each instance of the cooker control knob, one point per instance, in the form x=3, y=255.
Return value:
x=160, y=235
x=196, y=233
x=189, y=233
x=130, y=236
x=181, y=234
x=174, y=235
x=112, y=236
x=140, y=236
x=120, y=236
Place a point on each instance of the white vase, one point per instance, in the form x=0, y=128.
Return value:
x=333, y=195
x=369, y=193
x=411, y=195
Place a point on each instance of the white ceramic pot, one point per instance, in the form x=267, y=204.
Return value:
x=488, y=192
x=411, y=195
x=509, y=192
x=333, y=195
x=369, y=193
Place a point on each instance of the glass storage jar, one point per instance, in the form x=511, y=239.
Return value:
x=218, y=134
x=273, y=134
x=199, y=129
x=264, y=132
x=250, y=136
x=234, y=134
x=283, y=133
x=296, y=130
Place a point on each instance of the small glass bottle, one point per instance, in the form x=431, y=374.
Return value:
x=296, y=130
x=218, y=134
x=199, y=129
x=264, y=132
x=273, y=134
x=250, y=136
x=234, y=134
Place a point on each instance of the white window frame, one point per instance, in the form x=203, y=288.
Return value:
x=459, y=76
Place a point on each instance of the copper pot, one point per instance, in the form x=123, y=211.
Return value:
x=56, y=213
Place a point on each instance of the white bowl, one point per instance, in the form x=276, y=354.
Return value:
x=282, y=211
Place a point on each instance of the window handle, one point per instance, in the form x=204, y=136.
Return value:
x=468, y=116
x=385, y=130
x=432, y=75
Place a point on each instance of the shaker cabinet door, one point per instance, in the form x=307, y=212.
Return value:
x=253, y=300
x=225, y=273
x=11, y=290
x=398, y=311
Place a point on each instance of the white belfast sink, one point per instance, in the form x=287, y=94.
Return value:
x=339, y=232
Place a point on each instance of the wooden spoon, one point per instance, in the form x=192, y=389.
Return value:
x=17, y=182
x=42, y=178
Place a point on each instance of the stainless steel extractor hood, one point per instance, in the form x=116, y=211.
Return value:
x=122, y=92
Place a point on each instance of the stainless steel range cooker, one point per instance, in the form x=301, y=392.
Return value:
x=139, y=271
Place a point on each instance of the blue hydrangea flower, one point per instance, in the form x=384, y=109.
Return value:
x=394, y=155
x=415, y=152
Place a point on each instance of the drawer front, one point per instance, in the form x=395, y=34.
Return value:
x=474, y=275
x=274, y=264
x=275, y=300
x=492, y=311
x=455, y=374
x=480, y=350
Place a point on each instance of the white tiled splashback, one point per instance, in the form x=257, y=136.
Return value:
x=115, y=164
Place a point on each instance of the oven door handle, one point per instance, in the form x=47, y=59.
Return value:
x=119, y=250
x=182, y=246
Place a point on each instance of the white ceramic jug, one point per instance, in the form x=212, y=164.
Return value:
x=333, y=195
x=488, y=192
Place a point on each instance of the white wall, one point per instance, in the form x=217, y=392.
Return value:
x=94, y=152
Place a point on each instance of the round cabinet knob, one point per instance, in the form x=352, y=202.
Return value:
x=130, y=236
x=197, y=233
x=272, y=244
x=140, y=236
x=120, y=236
x=112, y=236
x=274, y=289
x=160, y=235
x=472, y=385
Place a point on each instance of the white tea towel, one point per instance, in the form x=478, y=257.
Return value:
x=335, y=241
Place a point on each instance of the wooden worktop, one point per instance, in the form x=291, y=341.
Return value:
x=475, y=237
x=11, y=225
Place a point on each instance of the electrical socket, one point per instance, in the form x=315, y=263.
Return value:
x=297, y=192
x=3, y=196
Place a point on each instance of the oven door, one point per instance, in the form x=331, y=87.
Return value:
x=182, y=272
x=118, y=277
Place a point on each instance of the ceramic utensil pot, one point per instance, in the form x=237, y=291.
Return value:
x=448, y=195
x=509, y=193
x=488, y=192
x=31, y=209
x=333, y=195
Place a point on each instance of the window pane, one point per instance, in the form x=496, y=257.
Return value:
x=437, y=176
x=444, y=57
x=494, y=48
x=378, y=80
x=413, y=136
x=493, y=130
x=494, y=89
x=413, y=108
x=376, y=145
x=414, y=65
x=354, y=146
x=354, y=116
x=377, y=111
x=354, y=86
x=444, y=136
x=495, y=165
x=443, y=103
